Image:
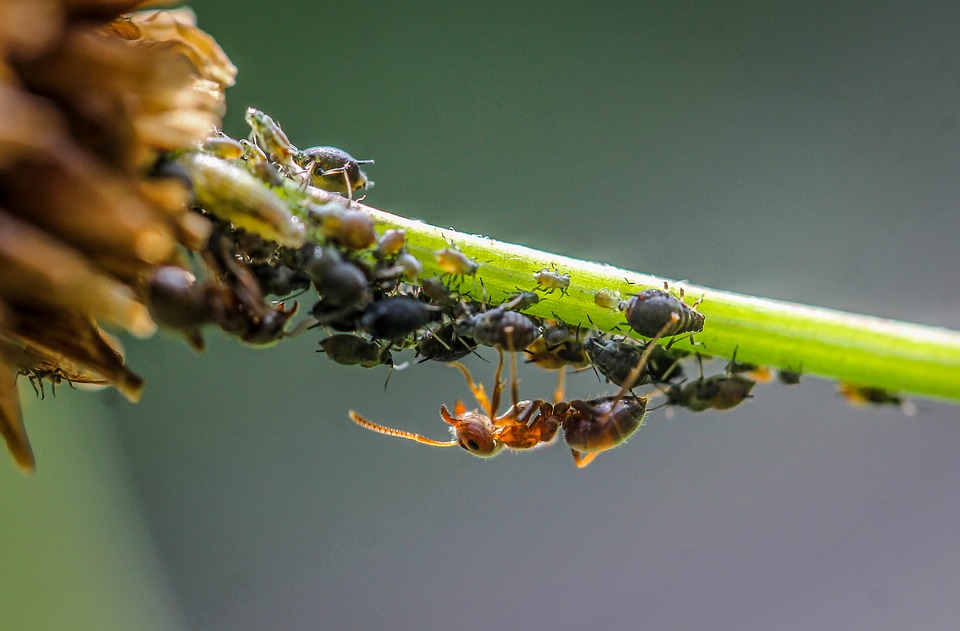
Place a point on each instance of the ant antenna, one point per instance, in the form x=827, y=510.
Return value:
x=399, y=433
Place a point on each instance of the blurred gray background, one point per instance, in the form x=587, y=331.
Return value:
x=807, y=152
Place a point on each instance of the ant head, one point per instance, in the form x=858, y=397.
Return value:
x=474, y=433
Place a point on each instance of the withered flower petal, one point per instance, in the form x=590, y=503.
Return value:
x=90, y=99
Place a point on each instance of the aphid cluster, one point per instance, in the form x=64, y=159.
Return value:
x=373, y=302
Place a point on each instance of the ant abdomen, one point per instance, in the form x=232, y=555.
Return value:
x=596, y=425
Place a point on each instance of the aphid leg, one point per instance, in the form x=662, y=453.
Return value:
x=307, y=174
x=399, y=433
x=728, y=369
x=387, y=380
x=477, y=388
x=346, y=178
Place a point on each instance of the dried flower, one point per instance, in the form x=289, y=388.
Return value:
x=89, y=98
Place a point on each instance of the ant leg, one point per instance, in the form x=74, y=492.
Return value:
x=581, y=459
x=477, y=388
x=561, y=379
x=514, y=383
x=399, y=433
x=635, y=372
x=497, y=386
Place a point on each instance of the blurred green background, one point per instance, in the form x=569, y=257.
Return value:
x=805, y=151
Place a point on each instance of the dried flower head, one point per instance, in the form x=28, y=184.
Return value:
x=89, y=98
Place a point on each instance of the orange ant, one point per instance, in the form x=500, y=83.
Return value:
x=589, y=427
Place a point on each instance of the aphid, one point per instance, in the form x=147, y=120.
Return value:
x=353, y=350
x=274, y=141
x=551, y=280
x=258, y=163
x=222, y=147
x=412, y=267
x=232, y=193
x=559, y=346
x=616, y=359
x=789, y=377
x=453, y=261
x=520, y=301
x=652, y=309
x=261, y=327
x=508, y=330
x=753, y=371
x=390, y=244
x=179, y=302
x=862, y=395
x=719, y=392
x=442, y=344
x=353, y=229
x=396, y=317
x=333, y=169
x=342, y=284
x=589, y=427
x=607, y=299
x=252, y=153
x=434, y=290
x=280, y=280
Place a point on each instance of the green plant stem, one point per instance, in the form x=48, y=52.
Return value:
x=864, y=350
x=870, y=351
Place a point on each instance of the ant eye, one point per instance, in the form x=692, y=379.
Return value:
x=476, y=438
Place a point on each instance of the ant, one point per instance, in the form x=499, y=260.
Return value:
x=589, y=427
